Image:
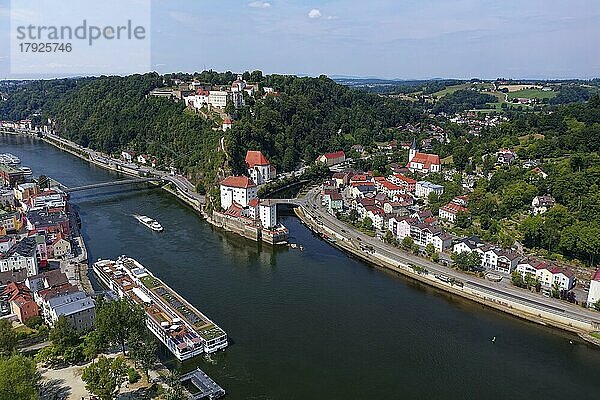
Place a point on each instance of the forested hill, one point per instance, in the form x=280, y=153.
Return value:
x=308, y=117
x=312, y=116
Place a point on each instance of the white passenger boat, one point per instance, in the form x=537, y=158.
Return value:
x=26, y=172
x=149, y=222
x=9, y=159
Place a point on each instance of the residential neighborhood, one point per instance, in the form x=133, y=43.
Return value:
x=40, y=252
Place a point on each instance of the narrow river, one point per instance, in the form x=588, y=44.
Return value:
x=316, y=324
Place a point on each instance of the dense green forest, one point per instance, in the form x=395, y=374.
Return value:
x=461, y=100
x=312, y=116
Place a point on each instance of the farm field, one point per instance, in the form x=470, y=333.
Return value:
x=532, y=94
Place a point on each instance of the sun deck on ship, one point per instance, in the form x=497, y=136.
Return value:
x=173, y=320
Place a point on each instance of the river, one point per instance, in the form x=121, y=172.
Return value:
x=316, y=324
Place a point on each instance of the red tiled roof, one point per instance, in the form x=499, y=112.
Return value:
x=336, y=154
x=356, y=184
x=390, y=186
x=50, y=293
x=336, y=196
x=253, y=202
x=406, y=179
x=255, y=157
x=234, y=210
x=454, y=208
x=238, y=182
x=596, y=276
x=426, y=159
x=359, y=178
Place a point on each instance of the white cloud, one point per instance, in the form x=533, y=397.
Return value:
x=332, y=17
x=259, y=4
x=182, y=17
x=314, y=13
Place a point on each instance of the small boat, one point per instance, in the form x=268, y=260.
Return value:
x=293, y=245
x=26, y=172
x=149, y=222
x=9, y=159
x=494, y=339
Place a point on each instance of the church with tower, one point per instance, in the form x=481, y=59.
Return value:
x=422, y=162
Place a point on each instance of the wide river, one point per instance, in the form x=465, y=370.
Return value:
x=316, y=324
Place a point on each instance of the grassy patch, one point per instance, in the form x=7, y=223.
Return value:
x=532, y=94
x=595, y=334
x=150, y=282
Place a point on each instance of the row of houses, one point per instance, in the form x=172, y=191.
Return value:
x=507, y=261
x=50, y=295
x=39, y=231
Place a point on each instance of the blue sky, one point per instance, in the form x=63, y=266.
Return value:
x=384, y=38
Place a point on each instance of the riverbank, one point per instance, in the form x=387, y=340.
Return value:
x=218, y=220
x=522, y=308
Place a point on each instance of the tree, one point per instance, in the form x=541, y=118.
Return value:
x=596, y=305
x=367, y=223
x=8, y=337
x=467, y=261
x=517, y=279
x=144, y=352
x=104, y=376
x=175, y=390
x=93, y=344
x=462, y=220
x=409, y=244
x=430, y=249
x=119, y=321
x=63, y=336
x=389, y=237
x=353, y=215
x=19, y=378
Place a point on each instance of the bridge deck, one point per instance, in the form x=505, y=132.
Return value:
x=113, y=183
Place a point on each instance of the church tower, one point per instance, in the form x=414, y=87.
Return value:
x=413, y=150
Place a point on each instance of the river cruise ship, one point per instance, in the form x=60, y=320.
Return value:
x=149, y=222
x=176, y=323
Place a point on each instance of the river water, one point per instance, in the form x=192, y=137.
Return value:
x=316, y=324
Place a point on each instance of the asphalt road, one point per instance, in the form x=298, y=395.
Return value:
x=312, y=206
x=182, y=184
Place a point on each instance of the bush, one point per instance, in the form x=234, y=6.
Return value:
x=34, y=322
x=133, y=375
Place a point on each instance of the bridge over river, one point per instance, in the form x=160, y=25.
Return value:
x=112, y=183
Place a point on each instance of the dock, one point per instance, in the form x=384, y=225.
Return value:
x=205, y=387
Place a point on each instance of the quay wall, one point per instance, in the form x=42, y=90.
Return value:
x=512, y=307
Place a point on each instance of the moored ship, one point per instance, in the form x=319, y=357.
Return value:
x=176, y=323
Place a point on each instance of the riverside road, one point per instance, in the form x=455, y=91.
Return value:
x=321, y=218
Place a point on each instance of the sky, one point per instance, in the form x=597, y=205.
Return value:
x=404, y=39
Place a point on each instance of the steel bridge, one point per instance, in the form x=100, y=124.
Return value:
x=113, y=183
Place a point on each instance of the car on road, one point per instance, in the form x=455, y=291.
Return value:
x=358, y=238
